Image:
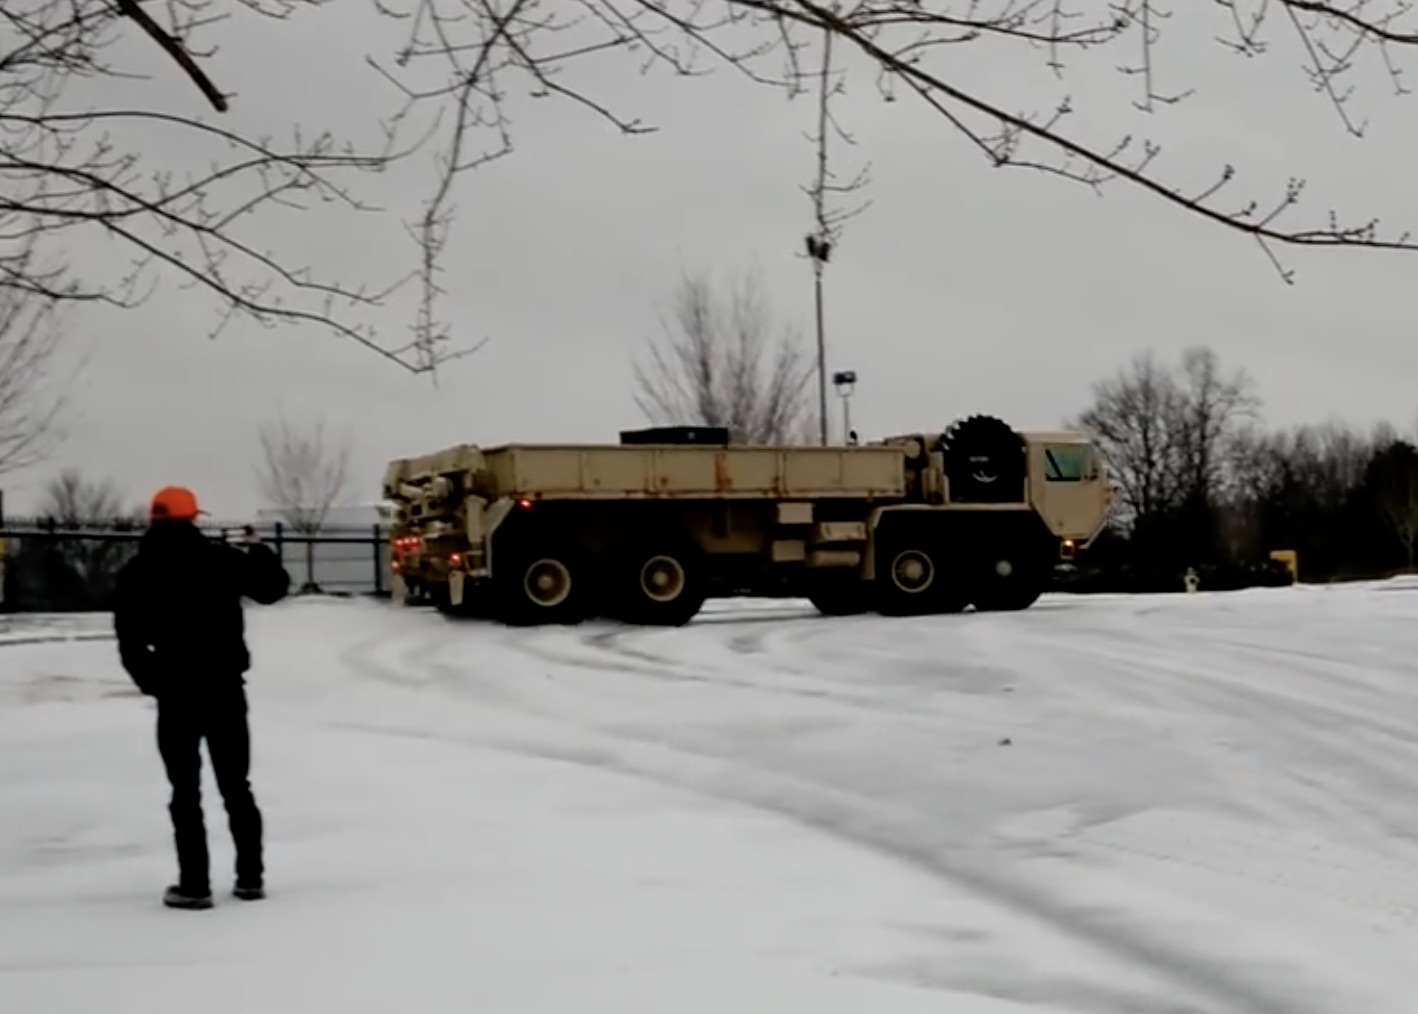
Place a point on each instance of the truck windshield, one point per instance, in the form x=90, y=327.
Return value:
x=1066, y=462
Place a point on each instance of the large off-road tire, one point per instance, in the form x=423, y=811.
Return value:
x=984, y=461
x=540, y=581
x=658, y=581
x=914, y=576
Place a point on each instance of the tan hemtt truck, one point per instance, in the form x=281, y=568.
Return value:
x=646, y=530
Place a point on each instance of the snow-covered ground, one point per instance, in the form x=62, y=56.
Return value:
x=1101, y=806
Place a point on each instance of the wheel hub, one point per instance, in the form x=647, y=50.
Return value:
x=913, y=571
x=547, y=583
x=662, y=578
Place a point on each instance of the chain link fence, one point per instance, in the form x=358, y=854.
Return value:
x=49, y=567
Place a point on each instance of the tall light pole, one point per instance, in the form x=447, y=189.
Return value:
x=819, y=248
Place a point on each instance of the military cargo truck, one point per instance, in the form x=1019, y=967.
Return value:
x=647, y=530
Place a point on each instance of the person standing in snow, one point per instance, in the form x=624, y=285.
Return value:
x=178, y=618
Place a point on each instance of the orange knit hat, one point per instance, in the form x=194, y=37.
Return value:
x=175, y=503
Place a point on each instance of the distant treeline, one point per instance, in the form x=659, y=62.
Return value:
x=1204, y=485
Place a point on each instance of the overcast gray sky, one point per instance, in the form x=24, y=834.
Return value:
x=962, y=289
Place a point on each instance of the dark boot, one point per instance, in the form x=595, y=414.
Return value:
x=178, y=896
x=249, y=890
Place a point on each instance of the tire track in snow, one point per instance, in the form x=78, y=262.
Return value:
x=627, y=653
x=1346, y=770
x=901, y=835
x=898, y=832
x=1342, y=751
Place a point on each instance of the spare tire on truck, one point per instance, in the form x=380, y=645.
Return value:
x=984, y=461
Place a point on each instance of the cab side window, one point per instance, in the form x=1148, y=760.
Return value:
x=1067, y=463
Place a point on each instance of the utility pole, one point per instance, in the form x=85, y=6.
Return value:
x=845, y=381
x=819, y=250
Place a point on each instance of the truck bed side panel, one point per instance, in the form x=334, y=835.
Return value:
x=696, y=472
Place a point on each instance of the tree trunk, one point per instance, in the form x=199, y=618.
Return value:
x=311, y=587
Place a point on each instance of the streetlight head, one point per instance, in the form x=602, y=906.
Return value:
x=844, y=380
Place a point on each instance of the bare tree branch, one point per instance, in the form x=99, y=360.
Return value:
x=174, y=48
x=29, y=408
x=538, y=41
x=70, y=177
x=832, y=207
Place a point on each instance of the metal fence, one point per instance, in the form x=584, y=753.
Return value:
x=47, y=566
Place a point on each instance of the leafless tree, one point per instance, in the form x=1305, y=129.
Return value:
x=1169, y=434
x=98, y=512
x=1254, y=464
x=303, y=472
x=30, y=406
x=475, y=51
x=723, y=363
x=1252, y=470
x=1133, y=420
x=1209, y=412
x=72, y=500
x=1331, y=458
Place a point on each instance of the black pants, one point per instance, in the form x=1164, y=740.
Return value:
x=184, y=722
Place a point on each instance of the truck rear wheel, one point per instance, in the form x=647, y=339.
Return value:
x=913, y=578
x=542, y=584
x=659, y=582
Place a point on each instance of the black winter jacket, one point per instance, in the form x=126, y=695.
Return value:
x=177, y=609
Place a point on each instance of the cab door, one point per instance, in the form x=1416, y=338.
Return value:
x=1068, y=488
